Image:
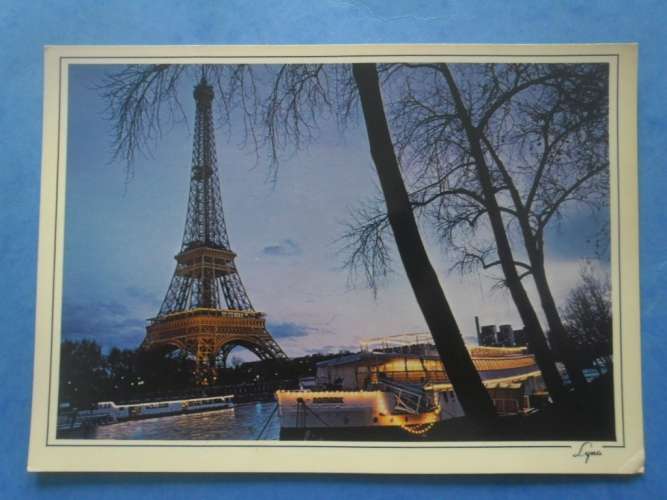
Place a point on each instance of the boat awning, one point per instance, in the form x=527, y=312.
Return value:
x=514, y=382
x=374, y=357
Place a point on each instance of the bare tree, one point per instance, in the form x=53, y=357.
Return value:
x=286, y=118
x=587, y=315
x=557, y=157
x=535, y=336
x=543, y=140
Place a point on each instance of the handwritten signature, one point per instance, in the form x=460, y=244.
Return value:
x=587, y=451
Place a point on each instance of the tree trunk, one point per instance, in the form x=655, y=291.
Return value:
x=465, y=379
x=553, y=319
x=534, y=334
x=536, y=259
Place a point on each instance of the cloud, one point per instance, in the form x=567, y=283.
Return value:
x=582, y=233
x=109, y=323
x=285, y=248
x=143, y=295
x=289, y=329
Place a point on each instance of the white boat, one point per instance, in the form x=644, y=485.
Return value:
x=108, y=411
x=406, y=389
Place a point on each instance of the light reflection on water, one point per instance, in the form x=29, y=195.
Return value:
x=243, y=422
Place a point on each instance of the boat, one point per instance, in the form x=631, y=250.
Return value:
x=404, y=388
x=67, y=420
x=106, y=412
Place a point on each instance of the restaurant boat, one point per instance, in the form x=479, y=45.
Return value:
x=401, y=383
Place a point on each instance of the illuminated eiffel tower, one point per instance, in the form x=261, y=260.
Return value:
x=206, y=311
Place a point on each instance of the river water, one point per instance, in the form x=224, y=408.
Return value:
x=245, y=421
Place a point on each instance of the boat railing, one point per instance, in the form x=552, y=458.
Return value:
x=410, y=398
x=421, y=377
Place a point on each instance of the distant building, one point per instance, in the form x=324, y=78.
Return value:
x=520, y=337
x=501, y=336
x=488, y=336
x=506, y=336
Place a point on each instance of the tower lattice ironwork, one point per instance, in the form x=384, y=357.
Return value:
x=206, y=311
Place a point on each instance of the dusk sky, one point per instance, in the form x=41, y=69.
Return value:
x=121, y=237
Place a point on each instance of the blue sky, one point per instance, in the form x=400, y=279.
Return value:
x=120, y=237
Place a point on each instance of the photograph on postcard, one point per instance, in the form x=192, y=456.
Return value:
x=412, y=250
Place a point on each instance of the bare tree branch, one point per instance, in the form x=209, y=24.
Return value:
x=141, y=101
x=365, y=247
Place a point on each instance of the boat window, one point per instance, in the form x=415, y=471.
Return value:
x=445, y=396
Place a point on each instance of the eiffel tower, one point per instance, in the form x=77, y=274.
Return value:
x=206, y=311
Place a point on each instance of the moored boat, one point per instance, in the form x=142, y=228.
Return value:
x=406, y=388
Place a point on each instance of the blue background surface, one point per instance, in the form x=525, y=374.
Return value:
x=26, y=26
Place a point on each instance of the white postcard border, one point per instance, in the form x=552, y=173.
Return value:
x=624, y=455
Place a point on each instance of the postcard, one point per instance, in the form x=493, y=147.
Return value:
x=348, y=259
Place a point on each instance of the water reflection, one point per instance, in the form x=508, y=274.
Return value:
x=243, y=422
